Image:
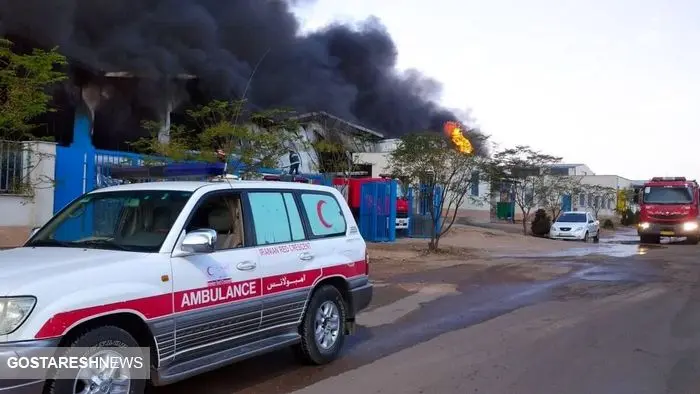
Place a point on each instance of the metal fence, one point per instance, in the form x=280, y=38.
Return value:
x=421, y=200
x=106, y=160
x=377, y=216
x=14, y=157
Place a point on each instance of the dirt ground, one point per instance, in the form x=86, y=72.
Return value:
x=462, y=245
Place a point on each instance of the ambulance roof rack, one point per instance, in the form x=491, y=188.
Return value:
x=167, y=171
x=213, y=172
x=286, y=178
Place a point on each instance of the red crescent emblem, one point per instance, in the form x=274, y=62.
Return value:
x=319, y=209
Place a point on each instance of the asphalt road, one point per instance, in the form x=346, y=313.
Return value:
x=614, y=318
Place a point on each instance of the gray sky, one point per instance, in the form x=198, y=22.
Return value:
x=613, y=84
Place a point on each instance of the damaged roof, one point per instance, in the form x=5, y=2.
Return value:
x=322, y=115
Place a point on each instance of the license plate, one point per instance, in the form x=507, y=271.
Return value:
x=667, y=233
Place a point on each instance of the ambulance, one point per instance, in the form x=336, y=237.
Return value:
x=201, y=274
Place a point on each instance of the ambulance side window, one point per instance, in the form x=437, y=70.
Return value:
x=276, y=218
x=222, y=213
x=325, y=216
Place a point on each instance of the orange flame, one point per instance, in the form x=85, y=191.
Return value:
x=454, y=132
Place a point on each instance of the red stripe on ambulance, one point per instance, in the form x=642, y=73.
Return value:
x=188, y=300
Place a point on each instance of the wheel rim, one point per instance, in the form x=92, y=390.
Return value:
x=327, y=325
x=99, y=378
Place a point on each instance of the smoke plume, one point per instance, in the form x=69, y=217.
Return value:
x=236, y=47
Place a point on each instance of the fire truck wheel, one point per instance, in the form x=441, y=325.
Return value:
x=693, y=240
x=323, y=328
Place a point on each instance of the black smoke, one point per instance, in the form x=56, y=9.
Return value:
x=237, y=47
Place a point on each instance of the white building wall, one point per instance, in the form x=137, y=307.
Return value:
x=21, y=213
x=581, y=202
x=378, y=161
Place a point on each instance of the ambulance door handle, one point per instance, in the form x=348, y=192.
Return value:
x=246, y=265
x=306, y=256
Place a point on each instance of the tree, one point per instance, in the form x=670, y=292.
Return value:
x=24, y=79
x=430, y=159
x=246, y=141
x=551, y=189
x=524, y=169
x=624, y=199
x=598, y=195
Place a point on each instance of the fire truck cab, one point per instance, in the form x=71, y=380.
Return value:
x=669, y=208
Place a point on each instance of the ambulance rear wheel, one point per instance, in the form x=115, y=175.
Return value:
x=323, y=328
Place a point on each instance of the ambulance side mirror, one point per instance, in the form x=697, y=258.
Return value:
x=199, y=241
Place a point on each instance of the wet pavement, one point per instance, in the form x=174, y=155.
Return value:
x=412, y=309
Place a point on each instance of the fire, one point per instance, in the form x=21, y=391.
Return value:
x=454, y=132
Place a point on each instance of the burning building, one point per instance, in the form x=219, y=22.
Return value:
x=243, y=48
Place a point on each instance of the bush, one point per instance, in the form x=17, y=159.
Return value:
x=541, y=224
x=608, y=224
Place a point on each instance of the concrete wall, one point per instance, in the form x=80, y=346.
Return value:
x=22, y=212
x=379, y=162
x=477, y=208
x=611, y=181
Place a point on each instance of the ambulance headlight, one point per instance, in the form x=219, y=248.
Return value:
x=13, y=312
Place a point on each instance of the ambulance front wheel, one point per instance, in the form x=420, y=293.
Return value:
x=323, y=327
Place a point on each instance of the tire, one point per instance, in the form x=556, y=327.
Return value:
x=649, y=239
x=693, y=240
x=586, y=237
x=596, y=239
x=108, y=338
x=311, y=350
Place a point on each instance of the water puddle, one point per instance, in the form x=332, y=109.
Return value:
x=620, y=244
x=603, y=274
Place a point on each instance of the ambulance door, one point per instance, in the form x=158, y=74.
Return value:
x=216, y=294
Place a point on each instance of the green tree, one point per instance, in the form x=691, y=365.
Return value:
x=525, y=170
x=24, y=79
x=430, y=159
x=227, y=131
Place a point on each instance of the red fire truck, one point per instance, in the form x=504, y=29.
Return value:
x=669, y=208
x=352, y=187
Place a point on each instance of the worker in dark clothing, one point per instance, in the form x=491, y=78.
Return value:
x=294, y=163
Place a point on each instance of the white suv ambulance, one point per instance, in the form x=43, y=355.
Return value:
x=204, y=274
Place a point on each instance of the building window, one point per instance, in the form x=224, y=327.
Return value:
x=582, y=200
x=475, y=184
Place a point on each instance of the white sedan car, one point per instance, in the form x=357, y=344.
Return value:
x=581, y=226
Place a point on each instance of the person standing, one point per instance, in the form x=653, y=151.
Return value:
x=294, y=162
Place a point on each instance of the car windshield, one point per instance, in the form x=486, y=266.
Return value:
x=400, y=192
x=572, y=218
x=667, y=195
x=136, y=220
